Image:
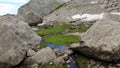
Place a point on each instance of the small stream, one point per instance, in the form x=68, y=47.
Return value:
x=62, y=49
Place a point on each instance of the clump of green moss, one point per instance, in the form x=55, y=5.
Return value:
x=56, y=28
x=62, y=39
x=80, y=28
x=82, y=62
x=43, y=45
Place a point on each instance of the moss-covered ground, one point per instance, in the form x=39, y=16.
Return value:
x=58, y=28
x=62, y=39
x=55, y=28
x=55, y=36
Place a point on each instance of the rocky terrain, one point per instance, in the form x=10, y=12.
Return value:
x=62, y=34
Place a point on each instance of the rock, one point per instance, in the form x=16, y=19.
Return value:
x=34, y=28
x=56, y=50
x=113, y=16
x=74, y=45
x=61, y=53
x=68, y=61
x=41, y=7
x=32, y=19
x=35, y=66
x=102, y=41
x=30, y=53
x=82, y=11
x=44, y=55
x=66, y=57
x=59, y=60
x=41, y=24
x=68, y=52
x=16, y=37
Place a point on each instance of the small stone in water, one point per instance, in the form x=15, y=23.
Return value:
x=68, y=61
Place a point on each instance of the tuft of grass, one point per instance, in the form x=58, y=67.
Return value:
x=43, y=45
x=80, y=29
x=56, y=28
x=62, y=39
x=82, y=62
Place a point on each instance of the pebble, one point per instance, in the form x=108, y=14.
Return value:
x=68, y=52
x=35, y=29
x=35, y=65
x=68, y=61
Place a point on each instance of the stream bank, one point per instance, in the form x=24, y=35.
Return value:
x=59, y=34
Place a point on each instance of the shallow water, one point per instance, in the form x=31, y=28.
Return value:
x=63, y=48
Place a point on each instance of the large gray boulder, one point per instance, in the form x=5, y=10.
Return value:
x=16, y=37
x=102, y=41
x=41, y=7
x=83, y=10
x=43, y=56
x=32, y=19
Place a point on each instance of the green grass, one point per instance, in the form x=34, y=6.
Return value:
x=82, y=62
x=52, y=66
x=55, y=29
x=106, y=65
x=43, y=45
x=80, y=29
x=62, y=39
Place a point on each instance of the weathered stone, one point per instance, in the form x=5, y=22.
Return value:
x=44, y=55
x=35, y=65
x=68, y=61
x=59, y=60
x=56, y=51
x=74, y=45
x=34, y=28
x=68, y=52
x=30, y=53
x=83, y=11
x=113, y=16
x=16, y=37
x=32, y=19
x=74, y=9
x=41, y=7
x=102, y=41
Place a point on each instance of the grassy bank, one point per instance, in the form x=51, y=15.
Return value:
x=55, y=28
x=62, y=39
